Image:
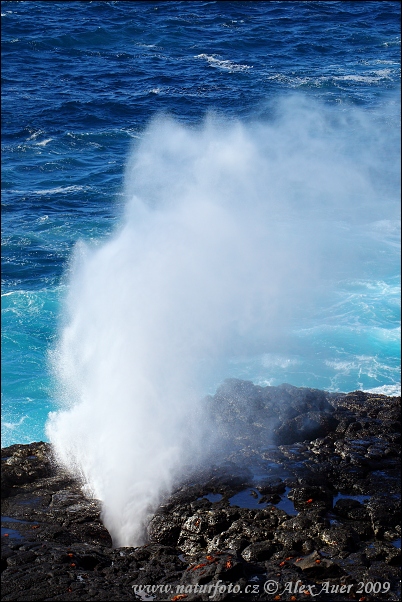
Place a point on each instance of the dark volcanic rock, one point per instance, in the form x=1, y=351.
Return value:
x=305, y=426
x=284, y=414
x=24, y=464
x=309, y=494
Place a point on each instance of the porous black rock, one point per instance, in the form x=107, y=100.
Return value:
x=318, y=472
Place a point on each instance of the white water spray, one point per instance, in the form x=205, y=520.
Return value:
x=230, y=231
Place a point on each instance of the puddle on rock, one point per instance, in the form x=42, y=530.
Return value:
x=9, y=519
x=286, y=504
x=358, y=498
x=248, y=498
x=11, y=533
x=251, y=498
x=211, y=497
x=183, y=558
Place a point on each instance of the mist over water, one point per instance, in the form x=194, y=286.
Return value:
x=233, y=233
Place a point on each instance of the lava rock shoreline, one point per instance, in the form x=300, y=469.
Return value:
x=308, y=499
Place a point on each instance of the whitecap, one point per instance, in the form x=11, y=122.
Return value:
x=42, y=219
x=142, y=45
x=390, y=390
x=222, y=64
x=370, y=78
x=62, y=189
x=363, y=365
x=35, y=134
x=285, y=78
x=44, y=142
x=395, y=42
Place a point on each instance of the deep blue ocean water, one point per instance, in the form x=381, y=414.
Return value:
x=80, y=83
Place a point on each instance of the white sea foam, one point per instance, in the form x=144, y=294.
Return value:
x=61, y=189
x=43, y=219
x=44, y=142
x=371, y=77
x=56, y=190
x=346, y=366
x=363, y=367
x=14, y=425
x=226, y=65
x=390, y=390
x=232, y=232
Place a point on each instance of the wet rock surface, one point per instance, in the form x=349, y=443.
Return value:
x=307, y=501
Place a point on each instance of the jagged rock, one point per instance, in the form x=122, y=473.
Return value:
x=306, y=447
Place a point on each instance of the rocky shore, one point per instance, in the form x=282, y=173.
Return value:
x=306, y=505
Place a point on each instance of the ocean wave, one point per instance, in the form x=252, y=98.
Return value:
x=226, y=65
x=44, y=142
x=377, y=62
x=62, y=189
x=50, y=191
x=364, y=373
x=34, y=134
x=363, y=366
x=367, y=291
x=373, y=77
x=347, y=365
x=390, y=390
x=396, y=42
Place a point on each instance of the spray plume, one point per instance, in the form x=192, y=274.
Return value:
x=229, y=233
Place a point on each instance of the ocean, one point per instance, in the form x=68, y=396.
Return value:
x=204, y=189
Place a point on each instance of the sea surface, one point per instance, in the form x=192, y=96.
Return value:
x=81, y=82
